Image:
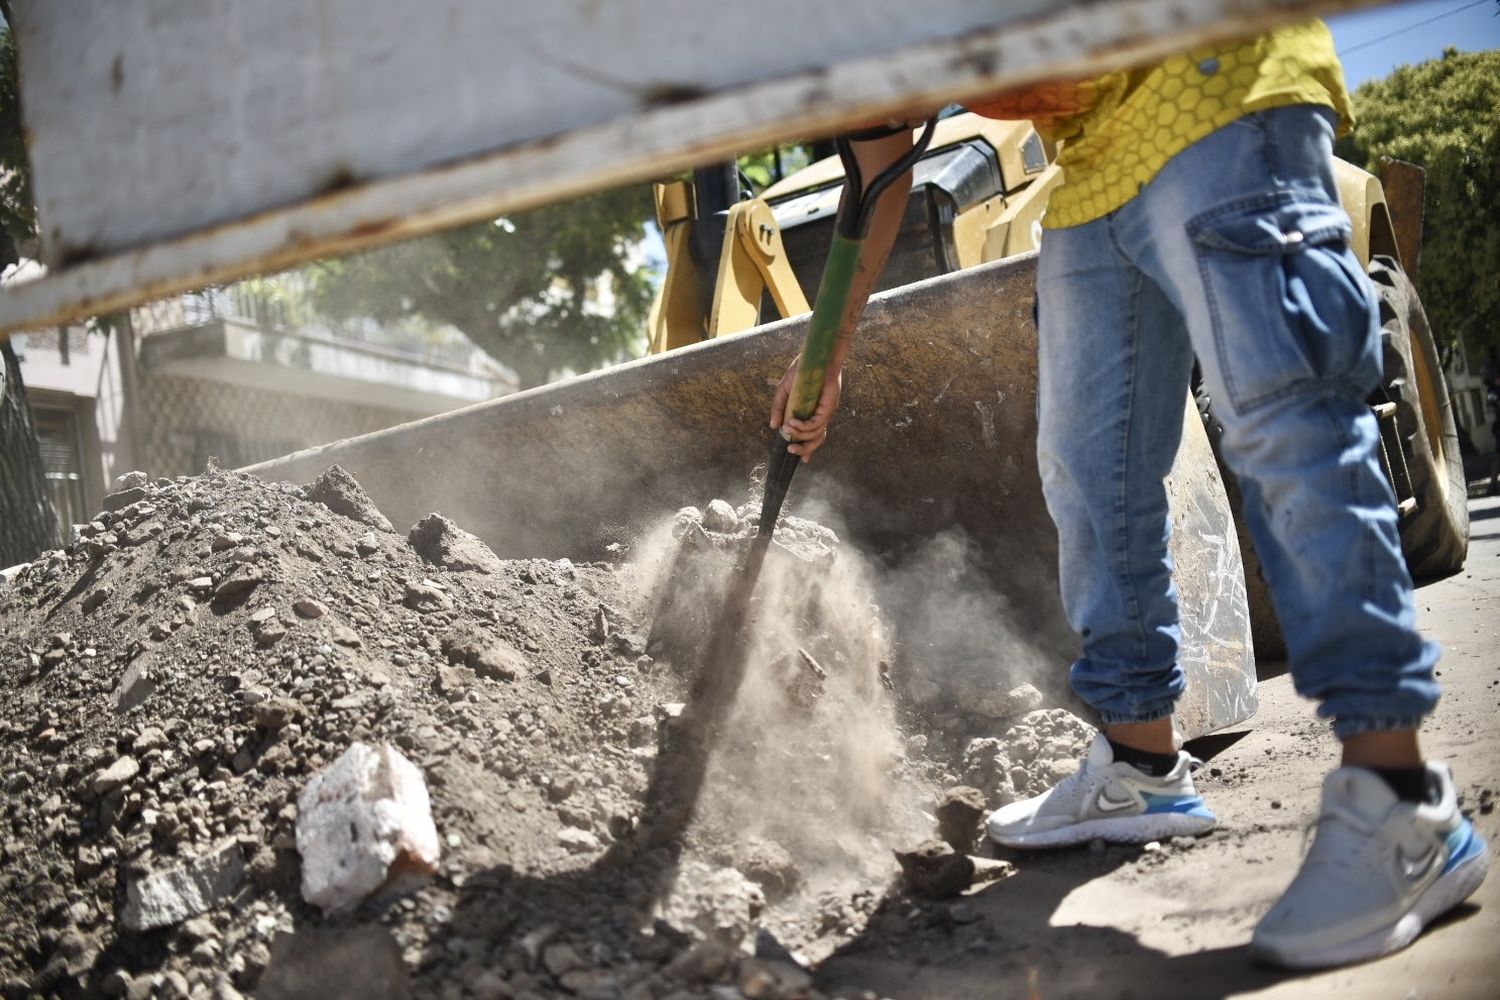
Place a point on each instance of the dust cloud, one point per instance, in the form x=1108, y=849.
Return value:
x=808, y=773
x=964, y=645
x=847, y=724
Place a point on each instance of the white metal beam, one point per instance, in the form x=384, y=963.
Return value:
x=176, y=145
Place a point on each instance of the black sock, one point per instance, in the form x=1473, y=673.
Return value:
x=1157, y=765
x=1411, y=784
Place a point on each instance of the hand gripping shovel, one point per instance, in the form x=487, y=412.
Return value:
x=721, y=675
x=852, y=227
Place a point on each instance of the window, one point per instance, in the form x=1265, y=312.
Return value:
x=57, y=432
x=1033, y=155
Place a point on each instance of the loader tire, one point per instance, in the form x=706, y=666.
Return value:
x=1434, y=536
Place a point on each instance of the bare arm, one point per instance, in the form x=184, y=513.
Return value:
x=873, y=156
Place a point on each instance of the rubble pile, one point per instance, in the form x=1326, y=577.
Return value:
x=177, y=677
x=257, y=741
x=1032, y=755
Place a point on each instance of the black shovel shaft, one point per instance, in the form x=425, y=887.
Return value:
x=829, y=310
x=780, y=468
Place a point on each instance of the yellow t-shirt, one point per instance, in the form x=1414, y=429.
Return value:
x=1118, y=130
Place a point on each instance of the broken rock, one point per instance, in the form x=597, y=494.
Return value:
x=935, y=870
x=364, y=823
x=115, y=775
x=770, y=866
x=120, y=499
x=1025, y=760
x=149, y=738
x=452, y=682
x=720, y=902
x=238, y=584
x=720, y=517
x=340, y=493
x=443, y=543
x=425, y=598
x=577, y=841
x=345, y=636
x=958, y=817
x=485, y=655
x=275, y=713
x=1017, y=701
x=268, y=632
x=76, y=953
x=135, y=687
x=309, y=608
x=167, y=897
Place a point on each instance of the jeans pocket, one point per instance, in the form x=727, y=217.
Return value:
x=1286, y=297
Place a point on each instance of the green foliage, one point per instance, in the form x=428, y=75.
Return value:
x=1442, y=114
x=558, y=287
x=770, y=165
x=17, y=207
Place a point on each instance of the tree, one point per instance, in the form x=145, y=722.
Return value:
x=28, y=521
x=558, y=287
x=1442, y=114
x=768, y=166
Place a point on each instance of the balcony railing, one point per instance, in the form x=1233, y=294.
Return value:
x=281, y=314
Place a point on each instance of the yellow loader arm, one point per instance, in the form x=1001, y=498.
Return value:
x=752, y=261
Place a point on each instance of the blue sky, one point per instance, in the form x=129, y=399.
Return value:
x=1372, y=43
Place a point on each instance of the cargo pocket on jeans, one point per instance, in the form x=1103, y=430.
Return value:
x=1285, y=295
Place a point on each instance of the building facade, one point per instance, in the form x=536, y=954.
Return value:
x=221, y=376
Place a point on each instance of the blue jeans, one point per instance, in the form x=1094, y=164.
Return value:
x=1236, y=252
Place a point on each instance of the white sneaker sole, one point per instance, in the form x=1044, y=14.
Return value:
x=1139, y=829
x=1444, y=894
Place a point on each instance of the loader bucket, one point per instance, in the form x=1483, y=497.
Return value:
x=937, y=431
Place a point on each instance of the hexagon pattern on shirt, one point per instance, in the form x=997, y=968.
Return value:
x=1118, y=130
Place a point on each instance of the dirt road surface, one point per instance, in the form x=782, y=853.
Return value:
x=1175, y=922
x=176, y=677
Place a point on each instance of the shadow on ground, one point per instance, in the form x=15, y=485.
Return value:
x=1009, y=947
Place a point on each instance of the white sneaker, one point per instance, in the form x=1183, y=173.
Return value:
x=1109, y=801
x=1378, y=871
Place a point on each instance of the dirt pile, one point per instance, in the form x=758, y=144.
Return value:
x=208, y=644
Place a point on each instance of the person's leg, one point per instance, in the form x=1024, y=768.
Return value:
x=1245, y=231
x=1113, y=370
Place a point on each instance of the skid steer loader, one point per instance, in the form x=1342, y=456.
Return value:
x=935, y=453
x=978, y=196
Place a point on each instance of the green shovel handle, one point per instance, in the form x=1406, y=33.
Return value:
x=822, y=331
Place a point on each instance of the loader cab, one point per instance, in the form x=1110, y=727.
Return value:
x=977, y=195
x=975, y=169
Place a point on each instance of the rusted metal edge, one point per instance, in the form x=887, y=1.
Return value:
x=1405, y=186
x=657, y=141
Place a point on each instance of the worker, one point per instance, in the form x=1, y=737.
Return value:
x=1198, y=216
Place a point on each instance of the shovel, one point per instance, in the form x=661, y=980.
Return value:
x=725, y=665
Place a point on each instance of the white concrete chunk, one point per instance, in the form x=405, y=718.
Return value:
x=721, y=518
x=129, y=480
x=364, y=823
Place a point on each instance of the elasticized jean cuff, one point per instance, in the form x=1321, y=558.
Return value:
x=1344, y=728
x=1122, y=718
